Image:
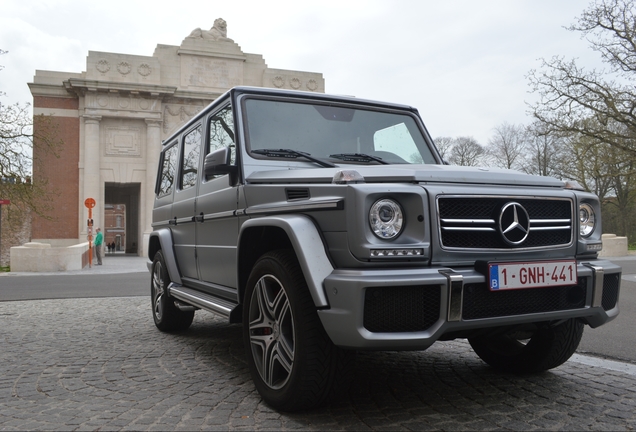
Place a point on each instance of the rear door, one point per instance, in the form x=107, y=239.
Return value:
x=184, y=204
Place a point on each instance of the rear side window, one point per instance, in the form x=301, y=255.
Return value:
x=168, y=170
x=190, y=162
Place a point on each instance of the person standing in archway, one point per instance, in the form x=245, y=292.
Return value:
x=99, y=239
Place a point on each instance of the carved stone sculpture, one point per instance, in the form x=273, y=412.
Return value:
x=218, y=32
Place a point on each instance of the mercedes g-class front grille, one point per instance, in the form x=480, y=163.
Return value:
x=504, y=223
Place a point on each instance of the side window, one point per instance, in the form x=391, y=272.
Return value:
x=168, y=170
x=221, y=132
x=190, y=162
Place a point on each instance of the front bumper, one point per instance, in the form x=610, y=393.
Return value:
x=410, y=309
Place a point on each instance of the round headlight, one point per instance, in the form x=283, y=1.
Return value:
x=587, y=220
x=386, y=219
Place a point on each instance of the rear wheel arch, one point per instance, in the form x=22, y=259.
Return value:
x=154, y=245
x=161, y=240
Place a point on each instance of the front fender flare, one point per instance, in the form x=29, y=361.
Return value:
x=308, y=246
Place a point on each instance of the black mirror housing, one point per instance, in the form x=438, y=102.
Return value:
x=218, y=163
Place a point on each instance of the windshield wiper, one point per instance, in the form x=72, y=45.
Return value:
x=288, y=153
x=358, y=157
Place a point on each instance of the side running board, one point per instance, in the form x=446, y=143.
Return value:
x=205, y=301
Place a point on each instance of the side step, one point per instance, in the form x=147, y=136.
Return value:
x=205, y=301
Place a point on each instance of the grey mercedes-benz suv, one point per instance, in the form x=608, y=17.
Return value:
x=328, y=224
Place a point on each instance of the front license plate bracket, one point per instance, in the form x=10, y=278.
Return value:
x=531, y=274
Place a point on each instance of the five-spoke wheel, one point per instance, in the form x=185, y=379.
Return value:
x=293, y=362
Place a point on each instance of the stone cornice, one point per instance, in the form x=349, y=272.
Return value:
x=49, y=90
x=81, y=86
x=212, y=54
x=184, y=94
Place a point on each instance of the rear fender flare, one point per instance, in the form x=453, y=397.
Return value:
x=166, y=244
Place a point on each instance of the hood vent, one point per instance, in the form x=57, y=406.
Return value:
x=297, y=194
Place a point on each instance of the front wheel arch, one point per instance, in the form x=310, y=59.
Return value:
x=298, y=233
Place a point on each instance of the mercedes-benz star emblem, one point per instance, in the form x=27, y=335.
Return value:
x=514, y=223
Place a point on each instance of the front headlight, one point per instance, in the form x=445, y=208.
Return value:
x=587, y=220
x=386, y=219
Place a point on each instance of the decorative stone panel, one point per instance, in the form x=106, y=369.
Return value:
x=175, y=115
x=122, y=141
x=207, y=73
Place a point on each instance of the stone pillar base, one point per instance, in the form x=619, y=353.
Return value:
x=613, y=246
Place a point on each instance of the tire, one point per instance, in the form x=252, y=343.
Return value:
x=547, y=348
x=292, y=361
x=166, y=315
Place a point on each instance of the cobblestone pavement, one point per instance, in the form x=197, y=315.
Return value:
x=100, y=364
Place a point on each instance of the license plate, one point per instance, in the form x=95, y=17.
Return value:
x=520, y=275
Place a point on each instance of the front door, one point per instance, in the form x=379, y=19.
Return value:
x=217, y=225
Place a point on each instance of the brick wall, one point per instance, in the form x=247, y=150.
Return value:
x=62, y=173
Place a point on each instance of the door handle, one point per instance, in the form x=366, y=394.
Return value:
x=199, y=218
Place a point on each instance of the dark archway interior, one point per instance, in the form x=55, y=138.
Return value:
x=129, y=195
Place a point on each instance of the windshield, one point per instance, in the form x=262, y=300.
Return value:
x=340, y=134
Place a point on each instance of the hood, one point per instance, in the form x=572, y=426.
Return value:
x=408, y=174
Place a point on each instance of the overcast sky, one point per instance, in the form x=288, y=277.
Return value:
x=462, y=63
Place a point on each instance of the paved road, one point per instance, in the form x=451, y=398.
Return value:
x=126, y=276
x=120, y=276
x=100, y=363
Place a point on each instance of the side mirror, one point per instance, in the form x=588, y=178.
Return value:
x=218, y=162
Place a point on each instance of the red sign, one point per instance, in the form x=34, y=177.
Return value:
x=5, y=202
x=89, y=203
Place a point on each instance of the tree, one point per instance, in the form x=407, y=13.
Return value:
x=588, y=162
x=444, y=146
x=591, y=103
x=17, y=140
x=16, y=143
x=544, y=151
x=466, y=151
x=507, y=147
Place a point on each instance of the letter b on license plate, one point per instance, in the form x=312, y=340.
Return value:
x=520, y=275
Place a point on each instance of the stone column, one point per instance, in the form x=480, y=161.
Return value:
x=92, y=187
x=153, y=149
